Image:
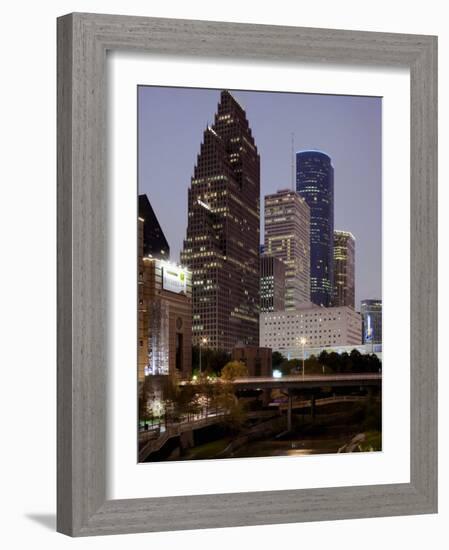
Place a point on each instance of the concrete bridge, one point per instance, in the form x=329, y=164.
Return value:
x=184, y=430
x=152, y=441
x=309, y=381
x=288, y=384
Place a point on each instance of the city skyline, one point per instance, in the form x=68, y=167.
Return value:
x=357, y=202
x=204, y=344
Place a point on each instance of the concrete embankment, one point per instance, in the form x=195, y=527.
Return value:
x=265, y=429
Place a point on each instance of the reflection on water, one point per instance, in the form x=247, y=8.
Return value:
x=325, y=434
x=290, y=447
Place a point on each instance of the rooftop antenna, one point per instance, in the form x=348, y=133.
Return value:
x=293, y=162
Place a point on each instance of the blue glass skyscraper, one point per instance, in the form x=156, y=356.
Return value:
x=315, y=184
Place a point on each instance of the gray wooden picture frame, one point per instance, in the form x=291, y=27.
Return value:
x=83, y=40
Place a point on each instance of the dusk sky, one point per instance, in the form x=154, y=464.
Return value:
x=348, y=128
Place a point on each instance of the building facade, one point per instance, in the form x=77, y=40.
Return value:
x=315, y=184
x=154, y=242
x=272, y=283
x=344, y=269
x=164, y=317
x=371, y=312
x=287, y=237
x=320, y=327
x=258, y=360
x=221, y=248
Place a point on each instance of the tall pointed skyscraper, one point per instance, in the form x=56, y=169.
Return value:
x=221, y=248
x=315, y=184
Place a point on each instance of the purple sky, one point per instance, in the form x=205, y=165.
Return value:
x=347, y=128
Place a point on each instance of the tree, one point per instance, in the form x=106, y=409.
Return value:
x=236, y=416
x=290, y=366
x=217, y=360
x=208, y=388
x=234, y=369
x=146, y=390
x=212, y=360
x=185, y=402
x=313, y=365
x=352, y=362
x=277, y=359
x=331, y=360
x=226, y=398
x=323, y=358
x=355, y=356
x=145, y=411
x=344, y=362
x=370, y=363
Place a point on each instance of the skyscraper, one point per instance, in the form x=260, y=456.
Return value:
x=344, y=269
x=371, y=312
x=154, y=242
x=272, y=283
x=221, y=248
x=287, y=237
x=315, y=184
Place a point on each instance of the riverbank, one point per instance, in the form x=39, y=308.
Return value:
x=331, y=431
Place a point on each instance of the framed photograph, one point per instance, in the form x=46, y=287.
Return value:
x=247, y=280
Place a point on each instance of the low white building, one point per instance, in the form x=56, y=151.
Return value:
x=320, y=327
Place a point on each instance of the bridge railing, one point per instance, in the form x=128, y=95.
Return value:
x=325, y=401
x=152, y=444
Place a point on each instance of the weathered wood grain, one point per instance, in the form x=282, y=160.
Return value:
x=83, y=40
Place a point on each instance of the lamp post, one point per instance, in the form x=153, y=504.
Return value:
x=202, y=341
x=303, y=343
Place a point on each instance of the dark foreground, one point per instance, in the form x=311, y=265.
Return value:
x=343, y=428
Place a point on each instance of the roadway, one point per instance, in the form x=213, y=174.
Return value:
x=308, y=381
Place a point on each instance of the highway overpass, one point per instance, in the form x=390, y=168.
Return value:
x=309, y=381
x=298, y=382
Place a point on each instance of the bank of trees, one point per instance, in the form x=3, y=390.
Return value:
x=329, y=363
x=350, y=362
x=163, y=400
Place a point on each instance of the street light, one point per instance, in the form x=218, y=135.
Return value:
x=202, y=341
x=302, y=341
